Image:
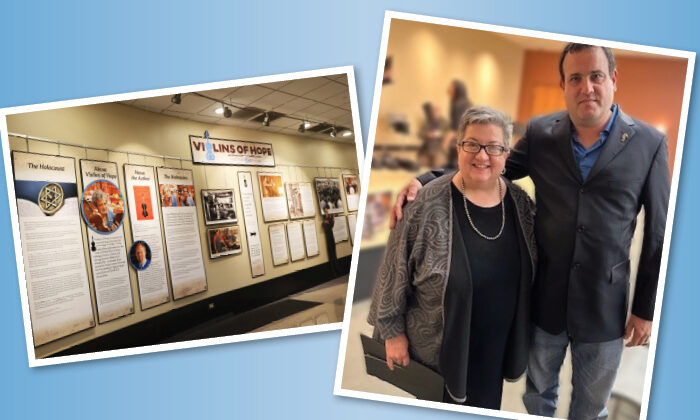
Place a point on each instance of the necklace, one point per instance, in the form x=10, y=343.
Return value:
x=469, y=218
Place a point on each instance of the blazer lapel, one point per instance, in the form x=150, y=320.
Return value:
x=562, y=136
x=620, y=135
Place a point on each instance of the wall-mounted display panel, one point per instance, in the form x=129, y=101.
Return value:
x=300, y=200
x=219, y=207
x=351, y=185
x=328, y=193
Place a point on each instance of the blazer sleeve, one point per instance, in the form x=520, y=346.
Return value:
x=431, y=175
x=393, y=286
x=517, y=165
x=655, y=196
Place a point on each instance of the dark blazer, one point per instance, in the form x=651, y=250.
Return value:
x=584, y=228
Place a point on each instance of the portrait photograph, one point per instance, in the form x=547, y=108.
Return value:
x=140, y=255
x=219, y=207
x=328, y=194
x=102, y=206
x=172, y=195
x=224, y=241
x=537, y=171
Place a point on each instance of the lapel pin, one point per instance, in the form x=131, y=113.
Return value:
x=623, y=138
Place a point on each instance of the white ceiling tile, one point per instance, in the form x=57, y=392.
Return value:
x=303, y=86
x=285, y=122
x=219, y=93
x=272, y=101
x=326, y=91
x=155, y=104
x=316, y=109
x=247, y=94
x=342, y=100
x=335, y=113
x=276, y=85
x=294, y=105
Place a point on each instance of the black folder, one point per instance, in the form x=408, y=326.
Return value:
x=416, y=378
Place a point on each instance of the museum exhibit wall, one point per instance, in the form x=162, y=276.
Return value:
x=125, y=128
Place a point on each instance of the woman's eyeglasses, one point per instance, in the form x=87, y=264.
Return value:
x=475, y=148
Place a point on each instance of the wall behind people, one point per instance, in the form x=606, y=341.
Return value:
x=121, y=127
x=649, y=88
x=426, y=58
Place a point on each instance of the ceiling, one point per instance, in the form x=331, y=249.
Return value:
x=324, y=102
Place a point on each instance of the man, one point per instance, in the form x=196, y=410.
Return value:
x=103, y=219
x=593, y=168
x=140, y=253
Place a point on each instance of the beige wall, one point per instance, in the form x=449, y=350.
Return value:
x=125, y=128
x=427, y=57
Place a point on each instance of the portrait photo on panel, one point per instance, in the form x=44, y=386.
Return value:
x=515, y=236
x=328, y=194
x=103, y=206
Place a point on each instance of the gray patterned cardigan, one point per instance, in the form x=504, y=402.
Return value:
x=409, y=292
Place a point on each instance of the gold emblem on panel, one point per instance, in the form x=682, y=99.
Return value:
x=50, y=198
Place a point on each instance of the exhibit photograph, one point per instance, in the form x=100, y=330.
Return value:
x=328, y=194
x=351, y=185
x=116, y=236
x=219, y=207
x=224, y=241
x=577, y=283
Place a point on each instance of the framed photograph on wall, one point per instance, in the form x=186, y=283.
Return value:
x=300, y=200
x=351, y=185
x=224, y=241
x=328, y=193
x=219, y=207
x=274, y=204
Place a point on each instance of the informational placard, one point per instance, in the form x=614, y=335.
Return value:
x=274, y=205
x=144, y=218
x=52, y=246
x=300, y=200
x=250, y=218
x=296, y=241
x=310, y=237
x=181, y=228
x=278, y=244
x=352, y=223
x=219, y=207
x=104, y=203
x=224, y=241
x=230, y=152
x=351, y=184
x=328, y=192
x=340, y=229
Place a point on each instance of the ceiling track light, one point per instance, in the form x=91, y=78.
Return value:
x=266, y=120
x=176, y=99
x=333, y=132
x=347, y=133
x=302, y=127
x=227, y=112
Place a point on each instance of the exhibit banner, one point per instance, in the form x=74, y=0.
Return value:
x=56, y=276
x=300, y=200
x=340, y=229
x=215, y=151
x=250, y=218
x=328, y=192
x=296, y=241
x=103, y=210
x=310, y=238
x=144, y=218
x=274, y=206
x=352, y=223
x=278, y=244
x=223, y=241
x=219, y=207
x=351, y=185
x=181, y=229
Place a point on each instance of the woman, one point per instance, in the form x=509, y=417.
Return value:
x=459, y=103
x=327, y=225
x=453, y=289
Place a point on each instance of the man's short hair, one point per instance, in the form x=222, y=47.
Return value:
x=486, y=115
x=573, y=47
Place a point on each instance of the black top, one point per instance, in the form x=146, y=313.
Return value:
x=494, y=276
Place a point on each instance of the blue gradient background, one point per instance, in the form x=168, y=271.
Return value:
x=72, y=49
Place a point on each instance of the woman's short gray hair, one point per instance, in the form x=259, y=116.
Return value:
x=486, y=115
x=99, y=195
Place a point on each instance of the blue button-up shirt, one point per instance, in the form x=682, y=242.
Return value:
x=586, y=158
